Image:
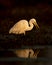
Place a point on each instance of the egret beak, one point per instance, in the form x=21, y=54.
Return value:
x=36, y=25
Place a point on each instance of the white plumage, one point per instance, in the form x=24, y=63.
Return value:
x=22, y=26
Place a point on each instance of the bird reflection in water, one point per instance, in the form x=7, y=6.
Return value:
x=27, y=53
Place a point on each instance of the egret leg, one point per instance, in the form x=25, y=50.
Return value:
x=24, y=33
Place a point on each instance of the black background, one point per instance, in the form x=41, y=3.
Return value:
x=12, y=11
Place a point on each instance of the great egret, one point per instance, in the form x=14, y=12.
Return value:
x=22, y=26
x=25, y=53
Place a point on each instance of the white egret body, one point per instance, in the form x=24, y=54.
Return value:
x=22, y=26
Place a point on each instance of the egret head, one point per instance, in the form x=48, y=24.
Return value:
x=34, y=22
